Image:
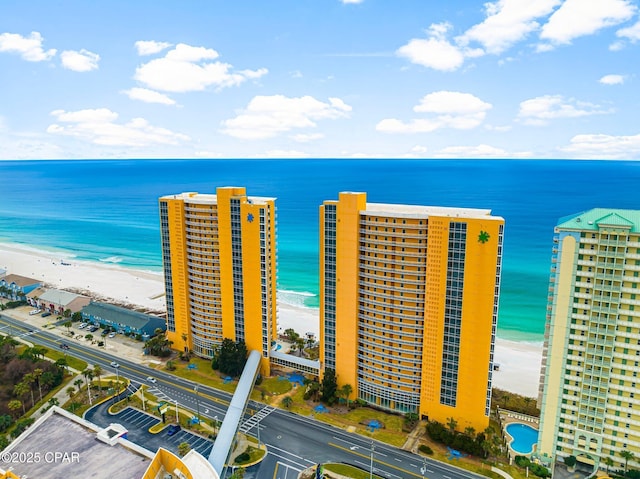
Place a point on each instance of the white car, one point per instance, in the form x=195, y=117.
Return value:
x=82, y=325
x=114, y=364
x=35, y=311
x=151, y=379
x=112, y=335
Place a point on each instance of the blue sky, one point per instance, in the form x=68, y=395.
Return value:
x=320, y=79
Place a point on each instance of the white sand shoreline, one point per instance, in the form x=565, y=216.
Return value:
x=519, y=361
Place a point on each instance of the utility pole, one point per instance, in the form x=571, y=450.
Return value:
x=373, y=448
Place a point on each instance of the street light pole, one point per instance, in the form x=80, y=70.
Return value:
x=177, y=416
x=118, y=382
x=373, y=448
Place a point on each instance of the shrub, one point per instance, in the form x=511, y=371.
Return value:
x=423, y=448
x=570, y=461
x=244, y=457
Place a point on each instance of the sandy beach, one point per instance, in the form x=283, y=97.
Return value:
x=519, y=362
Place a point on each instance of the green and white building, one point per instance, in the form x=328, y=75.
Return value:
x=589, y=395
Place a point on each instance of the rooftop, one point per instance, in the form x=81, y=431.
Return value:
x=68, y=448
x=416, y=211
x=116, y=314
x=58, y=296
x=597, y=218
x=19, y=280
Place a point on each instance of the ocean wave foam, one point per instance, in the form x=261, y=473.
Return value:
x=295, y=298
x=112, y=259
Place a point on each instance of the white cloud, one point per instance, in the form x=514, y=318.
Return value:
x=305, y=138
x=99, y=126
x=82, y=61
x=285, y=154
x=598, y=146
x=185, y=68
x=448, y=109
x=419, y=149
x=149, y=47
x=576, y=18
x=269, y=116
x=537, y=111
x=479, y=151
x=351, y=1
x=434, y=52
x=612, y=80
x=632, y=32
x=507, y=22
x=148, y=96
x=30, y=48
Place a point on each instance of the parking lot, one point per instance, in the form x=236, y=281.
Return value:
x=138, y=423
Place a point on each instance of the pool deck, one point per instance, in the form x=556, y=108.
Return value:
x=510, y=417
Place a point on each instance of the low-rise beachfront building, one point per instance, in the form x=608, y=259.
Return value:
x=409, y=305
x=123, y=320
x=57, y=301
x=589, y=390
x=16, y=287
x=219, y=257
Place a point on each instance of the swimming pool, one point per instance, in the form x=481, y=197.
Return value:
x=524, y=437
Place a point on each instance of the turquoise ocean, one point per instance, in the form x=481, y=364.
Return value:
x=107, y=211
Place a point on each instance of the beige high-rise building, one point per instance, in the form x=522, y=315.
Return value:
x=589, y=395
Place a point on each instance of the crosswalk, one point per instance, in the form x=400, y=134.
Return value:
x=255, y=419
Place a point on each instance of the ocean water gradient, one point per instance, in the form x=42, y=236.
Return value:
x=107, y=211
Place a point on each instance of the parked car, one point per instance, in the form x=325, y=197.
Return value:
x=151, y=379
x=45, y=314
x=112, y=334
x=173, y=429
x=34, y=311
x=114, y=364
x=82, y=325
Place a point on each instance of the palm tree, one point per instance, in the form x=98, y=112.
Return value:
x=183, y=448
x=346, y=391
x=54, y=401
x=29, y=379
x=20, y=390
x=452, y=423
x=287, y=401
x=97, y=371
x=37, y=373
x=71, y=391
x=14, y=405
x=78, y=383
x=470, y=431
x=609, y=462
x=627, y=456
x=67, y=324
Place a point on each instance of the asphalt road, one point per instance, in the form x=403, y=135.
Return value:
x=294, y=442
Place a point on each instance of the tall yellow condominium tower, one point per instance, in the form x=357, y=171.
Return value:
x=409, y=305
x=590, y=394
x=219, y=255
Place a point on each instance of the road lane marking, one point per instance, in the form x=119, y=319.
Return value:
x=366, y=456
